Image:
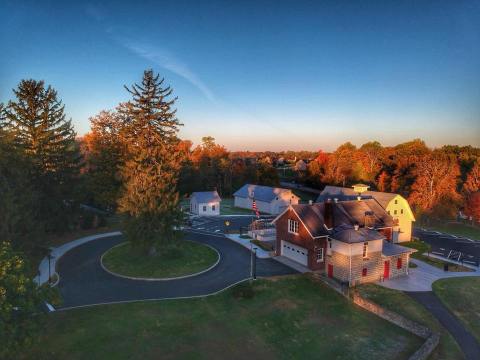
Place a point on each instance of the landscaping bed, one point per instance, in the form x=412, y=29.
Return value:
x=461, y=295
x=288, y=318
x=404, y=305
x=185, y=258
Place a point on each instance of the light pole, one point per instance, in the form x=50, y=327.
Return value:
x=254, y=264
x=50, y=257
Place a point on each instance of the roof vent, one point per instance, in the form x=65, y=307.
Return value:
x=335, y=199
x=356, y=227
x=310, y=202
x=359, y=198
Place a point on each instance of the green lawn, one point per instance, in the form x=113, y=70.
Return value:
x=458, y=229
x=404, y=305
x=227, y=208
x=423, y=247
x=288, y=318
x=461, y=296
x=185, y=258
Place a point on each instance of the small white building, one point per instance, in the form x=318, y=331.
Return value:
x=205, y=203
x=270, y=200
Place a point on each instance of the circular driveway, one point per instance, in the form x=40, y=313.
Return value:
x=83, y=281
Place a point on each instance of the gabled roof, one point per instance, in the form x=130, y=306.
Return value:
x=345, y=214
x=348, y=234
x=260, y=192
x=206, y=196
x=342, y=194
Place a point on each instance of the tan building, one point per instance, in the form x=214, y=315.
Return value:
x=395, y=205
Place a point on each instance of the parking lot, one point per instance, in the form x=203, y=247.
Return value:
x=450, y=246
x=224, y=224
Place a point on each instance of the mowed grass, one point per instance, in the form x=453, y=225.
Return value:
x=288, y=318
x=462, y=297
x=227, y=208
x=423, y=247
x=403, y=304
x=185, y=258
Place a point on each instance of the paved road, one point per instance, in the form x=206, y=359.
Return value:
x=446, y=244
x=84, y=282
x=467, y=342
x=216, y=224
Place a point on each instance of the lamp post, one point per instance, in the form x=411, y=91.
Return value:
x=50, y=257
x=254, y=264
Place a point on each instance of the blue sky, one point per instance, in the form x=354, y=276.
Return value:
x=262, y=75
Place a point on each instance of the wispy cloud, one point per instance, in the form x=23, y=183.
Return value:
x=167, y=60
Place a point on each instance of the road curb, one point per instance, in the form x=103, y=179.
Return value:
x=160, y=279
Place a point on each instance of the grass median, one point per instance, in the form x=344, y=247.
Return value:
x=184, y=258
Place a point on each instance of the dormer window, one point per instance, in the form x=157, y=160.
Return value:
x=292, y=226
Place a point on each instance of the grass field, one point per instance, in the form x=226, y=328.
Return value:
x=458, y=229
x=423, y=247
x=288, y=318
x=461, y=296
x=185, y=258
x=404, y=305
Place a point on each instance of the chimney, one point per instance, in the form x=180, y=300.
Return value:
x=369, y=219
x=328, y=215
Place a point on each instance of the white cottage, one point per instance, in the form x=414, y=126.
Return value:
x=205, y=203
x=270, y=200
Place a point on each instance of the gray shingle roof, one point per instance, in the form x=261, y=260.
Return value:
x=260, y=192
x=349, y=235
x=345, y=214
x=206, y=196
x=343, y=194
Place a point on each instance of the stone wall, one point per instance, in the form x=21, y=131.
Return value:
x=432, y=339
x=341, y=267
x=394, y=272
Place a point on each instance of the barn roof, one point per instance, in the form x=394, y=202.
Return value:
x=206, y=196
x=343, y=194
x=260, y=192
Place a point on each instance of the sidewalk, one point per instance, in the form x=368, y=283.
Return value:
x=422, y=277
x=58, y=252
x=261, y=254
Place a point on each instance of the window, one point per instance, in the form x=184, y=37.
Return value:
x=388, y=212
x=399, y=263
x=364, y=272
x=401, y=211
x=394, y=212
x=330, y=243
x=396, y=201
x=204, y=208
x=292, y=226
x=365, y=250
x=319, y=254
x=213, y=207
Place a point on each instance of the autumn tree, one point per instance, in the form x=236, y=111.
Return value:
x=341, y=165
x=472, y=207
x=37, y=123
x=472, y=184
x=435, y=183
x=152, y=164
x=370, y=155
x=103, y=153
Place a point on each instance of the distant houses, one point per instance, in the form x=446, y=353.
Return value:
x=395, y=205
x=270, y=200
x=205, y=203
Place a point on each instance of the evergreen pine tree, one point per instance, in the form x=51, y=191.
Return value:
x=36, y=121
x=152, y=165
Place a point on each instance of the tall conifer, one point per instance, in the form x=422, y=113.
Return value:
x=152, y=164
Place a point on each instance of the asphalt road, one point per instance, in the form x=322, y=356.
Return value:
x=84, y=282
x=445, y=245
x=215, y=224
x=432, y=303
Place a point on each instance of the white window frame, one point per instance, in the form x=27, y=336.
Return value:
x=293, y=226
x=319, y=251
x=365, y=250
x=204, y=208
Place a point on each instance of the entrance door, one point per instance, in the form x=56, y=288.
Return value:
x=330, y=270
x=386, y=269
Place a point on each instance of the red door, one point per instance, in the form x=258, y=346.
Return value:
x=386, y=269
x=330, y=270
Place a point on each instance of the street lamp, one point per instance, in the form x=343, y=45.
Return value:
x=50, y=257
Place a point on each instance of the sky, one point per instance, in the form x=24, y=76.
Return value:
x=261, y=75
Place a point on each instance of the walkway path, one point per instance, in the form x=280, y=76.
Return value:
x=422, y=277
x=467, y=342
x=83, y=282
